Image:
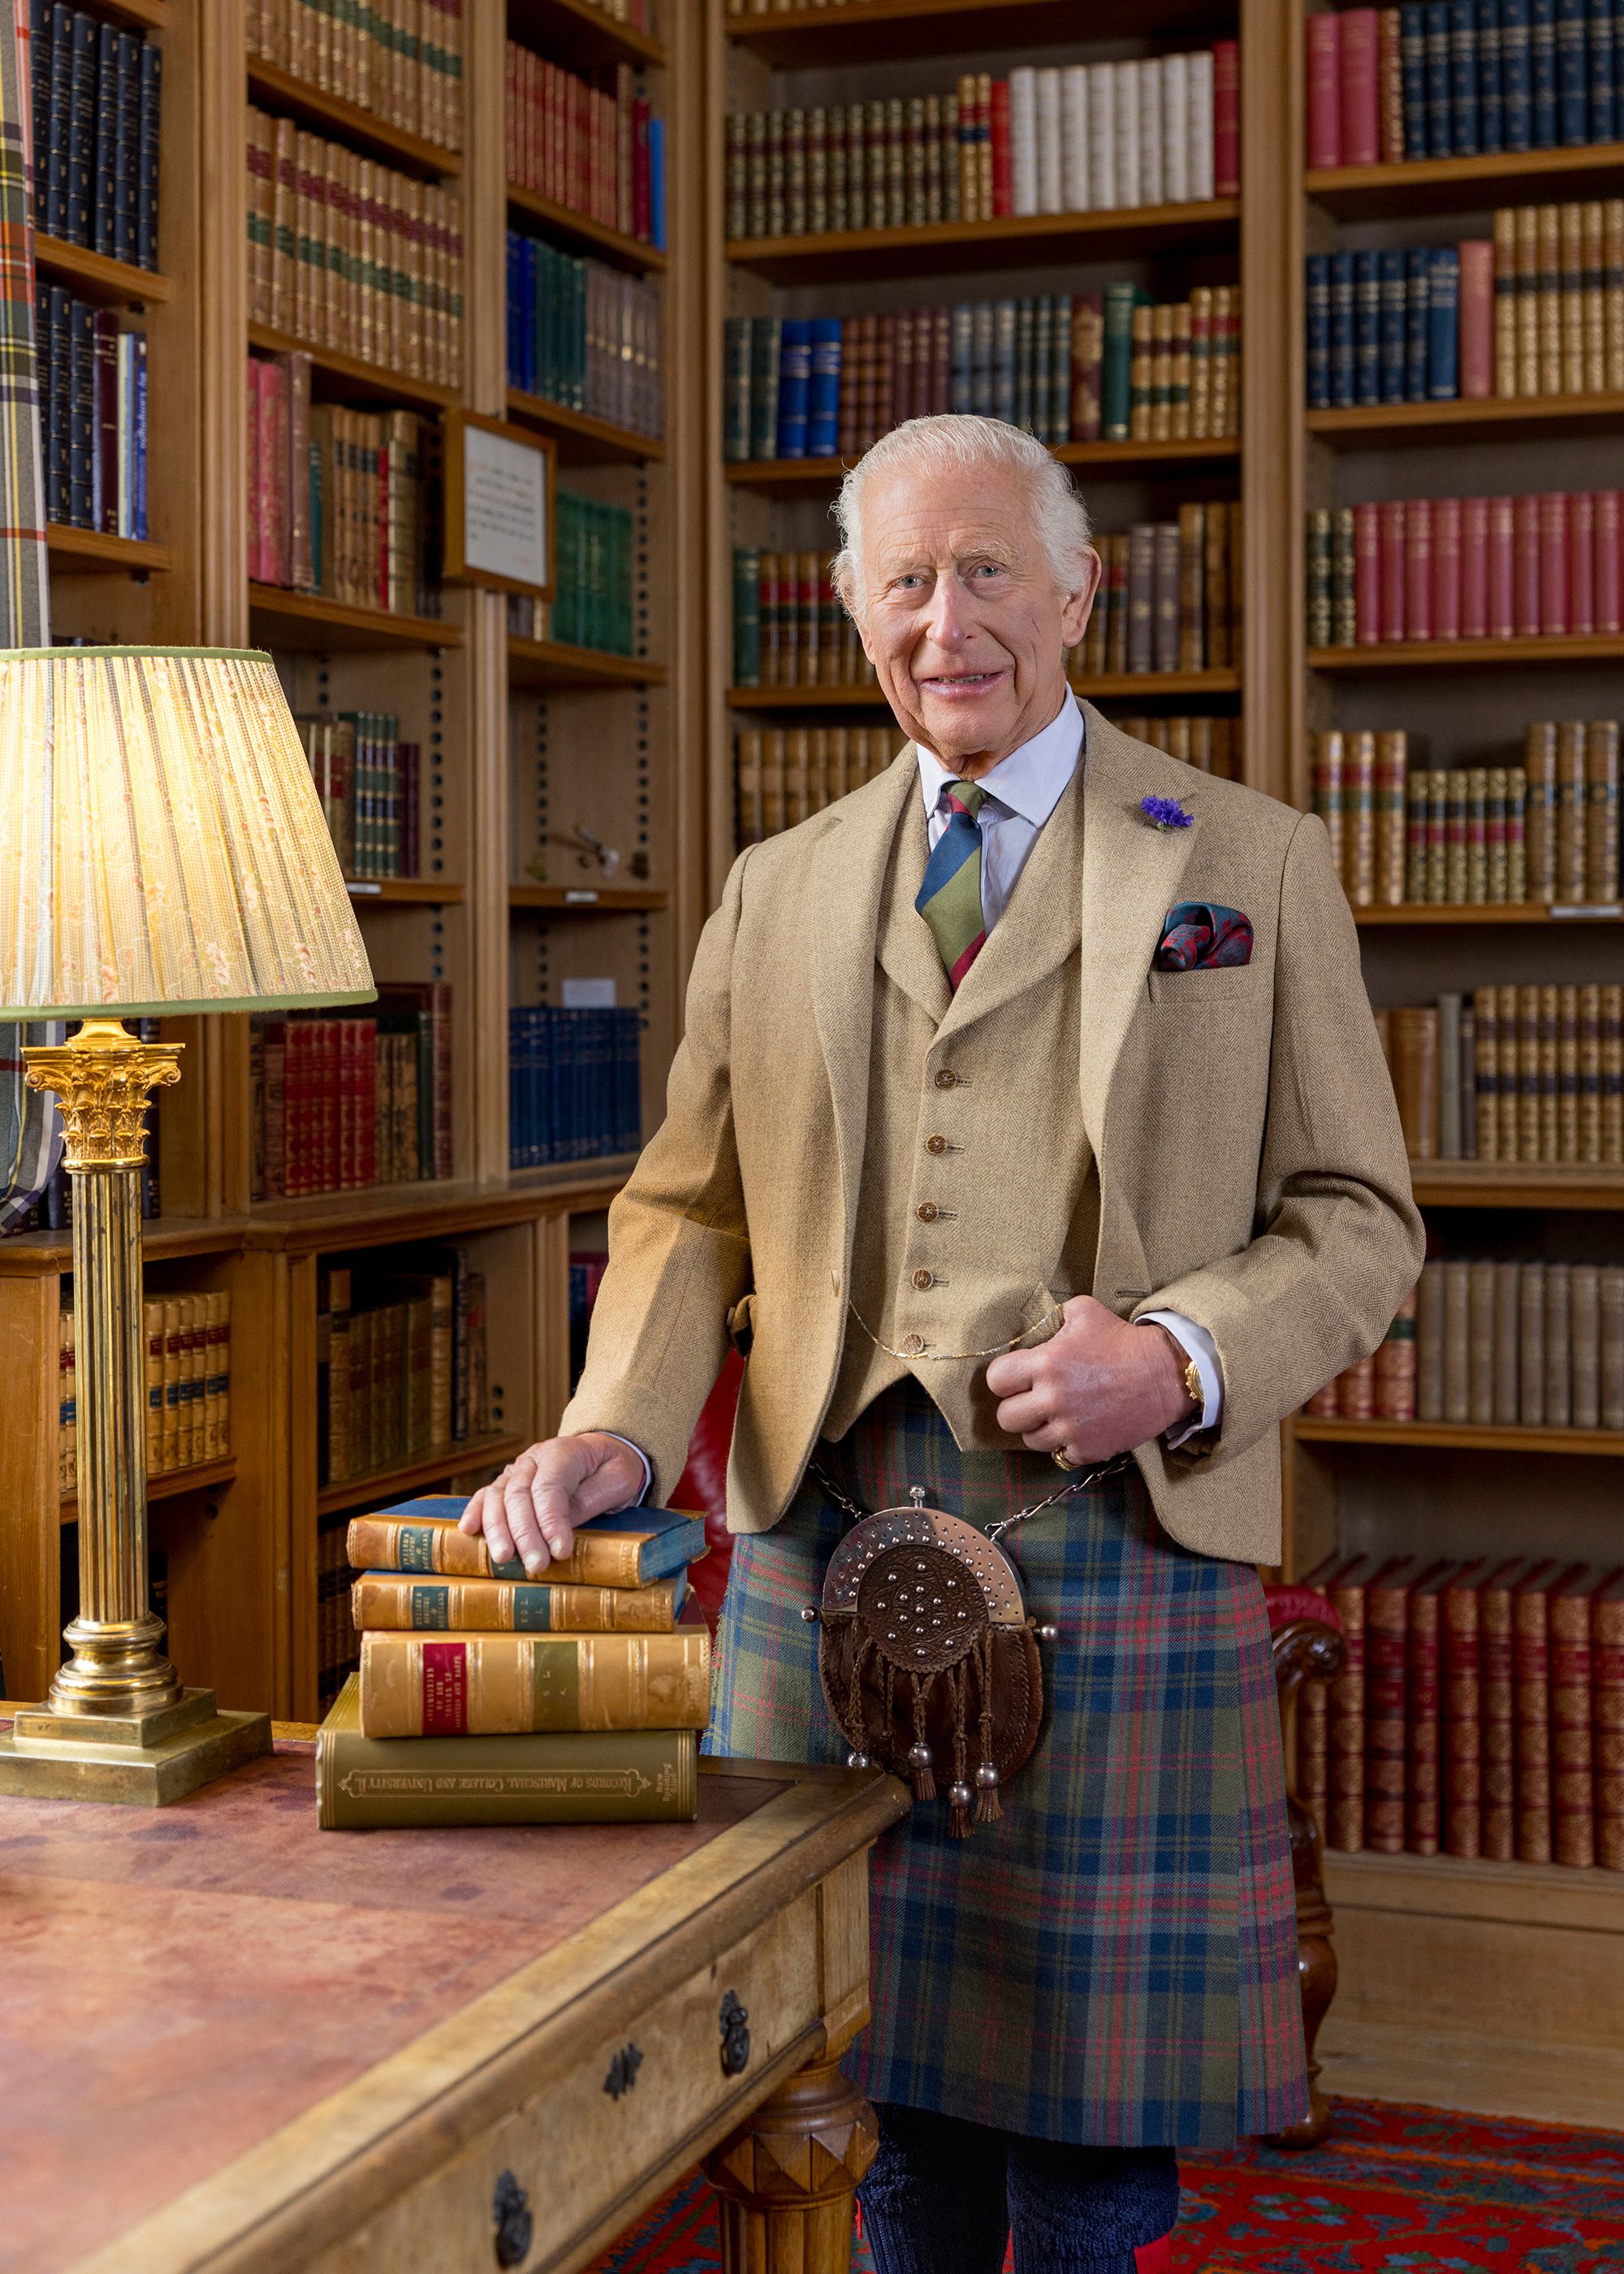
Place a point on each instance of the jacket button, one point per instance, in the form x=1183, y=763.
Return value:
x=947, y=1078
x=911, y=1346
x=926, y=1211
x=924, y=1278
x=936, y=1144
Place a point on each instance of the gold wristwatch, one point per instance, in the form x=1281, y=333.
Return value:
x=1193, y=1390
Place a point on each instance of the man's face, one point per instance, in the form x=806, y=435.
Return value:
x=964, y=625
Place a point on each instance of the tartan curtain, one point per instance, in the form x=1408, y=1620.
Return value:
x=30, y=1125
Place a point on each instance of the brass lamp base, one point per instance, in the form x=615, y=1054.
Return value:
x=145, y=1761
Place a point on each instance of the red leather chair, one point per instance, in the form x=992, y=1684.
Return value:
x=702, y=1486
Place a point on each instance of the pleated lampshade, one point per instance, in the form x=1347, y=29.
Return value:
x=161, y=845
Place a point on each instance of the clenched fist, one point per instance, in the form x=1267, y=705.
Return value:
x=534, y=1506
x=1098, y=1387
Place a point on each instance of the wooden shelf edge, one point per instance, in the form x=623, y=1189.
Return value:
x=172, y=1484
x=421, y=1468
x=414, y=152
x=575, y=1181
x=1469, y=411
x=1443, y=655
x=1404, y=912
x=378, y=384
x=347, y=627
x=1434, y=173
x=630, y=251
x=1007, y=228
x=826, y=471
x=404, y=892
x=101, y=277
x=91, y=552
x=1463, y=1436
x=590, y=900
x=581, y=429
x=1516, y=1183
x=589, y=31
x=1472, y=1887
x=553, y=663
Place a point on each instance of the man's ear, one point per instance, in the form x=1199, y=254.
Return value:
x=1076, y=607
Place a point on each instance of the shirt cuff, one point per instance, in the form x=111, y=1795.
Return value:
x=1195, y=1343
x=648, y=1466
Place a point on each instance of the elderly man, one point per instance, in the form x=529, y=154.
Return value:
x=1029, y=1112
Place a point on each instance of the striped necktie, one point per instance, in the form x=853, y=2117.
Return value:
x=949, y=899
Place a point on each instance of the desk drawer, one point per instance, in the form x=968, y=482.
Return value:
x=645, y=2103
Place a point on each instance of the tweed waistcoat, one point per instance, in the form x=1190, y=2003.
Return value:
x=943, y=1256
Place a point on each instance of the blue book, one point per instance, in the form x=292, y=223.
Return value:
x=81, y=410
x=1573, y=110
x=1395, y=302
x=1341, y=331
x=151, y=120
x=1516, y=93
x=656, y=183
x=1463, y=78
x=1418, y=270
x=1366, y=328
x=1542, y=74
x=1316, y=343
x=823, y=397
x=1491, y=115
x=629, y=1550
x=766, y=355
x=81, y=129
x=1601, y=44
x=104, y=145
x=127, y=151
x=1443, y=325
x=41, y=63
x=518, y=326
x=137, y=451
x=60, y=113
x=1439, y=81
x=1412, y=75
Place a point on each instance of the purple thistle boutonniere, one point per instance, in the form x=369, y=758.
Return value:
x=1166, y=813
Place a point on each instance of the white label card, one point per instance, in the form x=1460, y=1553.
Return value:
x=504, y=506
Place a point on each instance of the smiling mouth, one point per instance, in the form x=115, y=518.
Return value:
x=960, y=682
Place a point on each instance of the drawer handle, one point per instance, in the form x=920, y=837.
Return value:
x=733, y=2023
x=514, y=2224
x=623, y=2071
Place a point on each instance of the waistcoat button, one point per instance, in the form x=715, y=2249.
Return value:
x=911, y=1346
x=947, y=1078
x=936, y=1144
x=924, y=1278
x=926, y=1211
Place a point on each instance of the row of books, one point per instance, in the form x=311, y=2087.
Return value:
x=186, y=1339
x=341, y=501
x=369, y=782
x=399, y=60
x=598, y=150
x=338, y=1647
x=1089, y=138
x=1495, y=1344
x=789, y=627
x=1091, y=367
x=1532, y=1074
x=1536, y=310
x=90, y=364
x=339, y=1104
x=1459, y=78
x=1479, y=1713
x=1545, y=831
x=400, y=1360
x=783, y=777
x=484, y=1697
x=97, y=97
x=348, y=255
x=1211, y=746
x=575, y=1084
x=584, y=336
x=1477, y=568
x=1169, y=596
x=591, y=604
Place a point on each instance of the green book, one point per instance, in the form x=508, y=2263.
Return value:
x=747, y=615
x=1117, y=361
x=621, y=1776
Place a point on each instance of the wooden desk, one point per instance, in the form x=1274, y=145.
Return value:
x=236, y=2042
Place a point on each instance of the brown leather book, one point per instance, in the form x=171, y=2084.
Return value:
x=1539, y=763
x=1610, y=1339
x=1590, y=1073
x=1571, y=797
x=1480, y=1321
x=1221, y=645
x=1525, y=1077
x=1531, y=1347
x=1087, y=349
x=1387, y=1618
x=1550, y=1138
x=1607, y=1719
x=1457, y=1342
x=1313, y=1729
x=1355, y=1390
x=1485, y=1075
x=1192, y=587
x=1344, y=1579
x=1460, y=1736
x=1496, y=1706
x=1414, y=1078
x=1394, y=1366
x=1422, y=1814
x=1601, y=813
x=1573, y=1802
x=1613, y=1075
x=1530, y=1613
x=1507, y=1341
x=1568, y=1073
x=1559, y=1346
x=1430, y=1343
x=1585, y=1344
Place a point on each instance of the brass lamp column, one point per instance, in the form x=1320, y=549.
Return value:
x=162, y=848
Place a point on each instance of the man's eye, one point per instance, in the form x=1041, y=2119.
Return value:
x=987, y=568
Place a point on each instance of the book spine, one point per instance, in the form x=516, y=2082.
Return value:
x=1497, y=1724
x=495, y=1685
x=1386, y=1736
x=1346, y=1739
x=1532, y=1678
x=625, y=1777
x=1461, y=1764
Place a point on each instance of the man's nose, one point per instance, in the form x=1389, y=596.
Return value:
x=947, y=621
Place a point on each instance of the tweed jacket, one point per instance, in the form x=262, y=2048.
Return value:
x=1252, y=1172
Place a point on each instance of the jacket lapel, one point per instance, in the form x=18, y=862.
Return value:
x=1131, y=872
x=904, y=945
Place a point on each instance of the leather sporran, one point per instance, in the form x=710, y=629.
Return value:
x=929, y=1660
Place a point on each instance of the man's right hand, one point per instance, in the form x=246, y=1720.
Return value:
x=533, y=1508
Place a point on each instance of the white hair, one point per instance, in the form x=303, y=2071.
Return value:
x=960, y=443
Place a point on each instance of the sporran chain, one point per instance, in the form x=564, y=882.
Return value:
x=994, y=1531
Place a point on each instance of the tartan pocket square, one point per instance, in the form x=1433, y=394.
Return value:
x=1199, y=938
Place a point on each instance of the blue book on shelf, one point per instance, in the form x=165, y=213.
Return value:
x=1517, y=105
x=127, y=151
x=151, y=120
x=1463, y=78
x=60, y=113
x=1366, y=328
x=104, y=145
x=1601, y=31
x=1394, y=301
x=1418, y=270
x=138, y=435
x=1491, y=109
x=1316, y=343
x=1573, y=111
x=40, y=70
x=1439, y=81
x=766, y=346
x=656, y=183
x=1341, y=331
x=1443, y=325
x=795, y=386
x=1542, y=74
x=1412, y=75
x=824, y=394
x=517, y=324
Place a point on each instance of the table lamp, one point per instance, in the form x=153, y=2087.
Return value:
x=161, y=850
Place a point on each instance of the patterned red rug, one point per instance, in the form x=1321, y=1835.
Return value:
x=1394, y=2191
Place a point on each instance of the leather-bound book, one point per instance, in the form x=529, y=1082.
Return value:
x=1539, y=762
x=1394, y=1366
x=1486, y=1075
x=1601, y=825
x=1313, y=1731
x=627, y=1550
x=1497, y=1705
x=1192, y=587
x=1610, y=1340
x=413, y=1685
x=1559, y=1346
x=1607, y=1719
x=1359, y=802
x=1480, y=1323
x=1355, y=1390
x=1507, y=1341
x=1571, y=809
x=400, y=1602
x=1461, y=1733
x=1457, y=1341
x=1344, y=1580
x=1386, y=1617
x=1087, y=349
x=1422, y=1810
x=1611, y=1023
x=1430, y=1343
x=1222, y=571
x=1531, y=1339
x=1414, y=1078
x=1584, y=1345
x=1141, y=596
x=1573, y=1798
x=1530, y=1613
x=1392, y=767
x=1325, y=788
x=1527, y=1018
x=1449, y=1144
x=1568, y=1073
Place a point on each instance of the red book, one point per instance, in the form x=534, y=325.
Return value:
x=1461, y=1734
x=256, y=517
x=1474, y=568
x=1573, y=1802
x=1355, y=1390
x=643, y=218
x=1609, y=576
x=1419, y=568
x=1582, y=561
x=1386, y=1620
x=1422, y=1812
x=1530, y=1613
x=1390, y=556
x=1606, y=1711
x=1502, y=567
x=1525, y=565
x=1226, y=119
x=1498, y=1702
x=1553, y=615
x=1003, y=168
x=1325, y=93
x=1445, y=568
x=1366, y=575
x=1361, y=128
x=274, y=471
x=1344, y=1580
x=1476, y=317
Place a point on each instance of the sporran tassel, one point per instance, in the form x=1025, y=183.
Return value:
x=960, y=1794
x=920, y=1764
x=988, y=1807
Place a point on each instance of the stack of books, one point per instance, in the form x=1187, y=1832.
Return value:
x=1532, y=1073
x=486, y=1697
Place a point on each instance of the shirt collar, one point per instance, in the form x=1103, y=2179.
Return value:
x=1032, y=779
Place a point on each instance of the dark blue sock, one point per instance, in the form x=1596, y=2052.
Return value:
x=1087, y=2210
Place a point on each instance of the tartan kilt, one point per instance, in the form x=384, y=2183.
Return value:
x=1115, y=1962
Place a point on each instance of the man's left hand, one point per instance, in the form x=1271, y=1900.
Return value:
x=1098, y=1387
